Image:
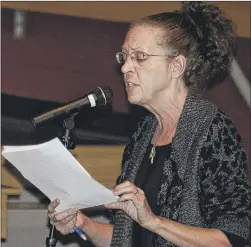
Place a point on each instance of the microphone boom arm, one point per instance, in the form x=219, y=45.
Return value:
x=100, y=97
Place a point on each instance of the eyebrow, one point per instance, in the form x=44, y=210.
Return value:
x=134, y=49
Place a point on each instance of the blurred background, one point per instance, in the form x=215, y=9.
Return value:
x=55, y=52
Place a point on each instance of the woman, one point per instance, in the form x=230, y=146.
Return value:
x=183, y=180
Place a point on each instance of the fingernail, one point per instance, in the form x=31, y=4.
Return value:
x=58, y=200
x=115, y=192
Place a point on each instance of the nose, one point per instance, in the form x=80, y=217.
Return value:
x=128, y=66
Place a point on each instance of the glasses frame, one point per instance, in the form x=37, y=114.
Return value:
x=138, y=61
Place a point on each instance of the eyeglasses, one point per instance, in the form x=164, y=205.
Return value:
x=137, y=56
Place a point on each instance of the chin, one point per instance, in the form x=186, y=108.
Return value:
x=135, y=100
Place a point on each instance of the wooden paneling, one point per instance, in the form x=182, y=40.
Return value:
x=5, y=192
x=8, y=180
x=3, y=215
x=127, y=11
x=103, y=163
x=9, y=186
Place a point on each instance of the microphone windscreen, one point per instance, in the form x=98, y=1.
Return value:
x=103, y=95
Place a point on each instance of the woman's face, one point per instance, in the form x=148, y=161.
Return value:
x=144, y=79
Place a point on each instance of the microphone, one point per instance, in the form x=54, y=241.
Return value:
x=99, y=97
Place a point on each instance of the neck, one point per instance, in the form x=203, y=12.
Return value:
x=168, y=114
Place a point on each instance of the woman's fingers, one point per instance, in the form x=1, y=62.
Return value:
x=113, y=205
x=127, y=191
x=124, y=184
x=131, y=196
x=63, y=221
x=61, y=216
x=51, y=208
x=125, y=188
x=53, y=205
x=126, y=197
x=66, y=221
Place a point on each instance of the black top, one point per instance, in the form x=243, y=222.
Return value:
x=148, y=179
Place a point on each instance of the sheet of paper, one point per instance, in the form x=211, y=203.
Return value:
x=54, y=171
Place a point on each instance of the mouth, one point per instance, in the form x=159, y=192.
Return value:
x=130, y=84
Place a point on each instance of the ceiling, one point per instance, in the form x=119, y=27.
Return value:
x=124, y=11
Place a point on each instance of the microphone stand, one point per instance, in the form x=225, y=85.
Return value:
x=68, y=125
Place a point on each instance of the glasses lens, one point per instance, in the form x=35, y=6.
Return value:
x=121, y=57
x=140, y=56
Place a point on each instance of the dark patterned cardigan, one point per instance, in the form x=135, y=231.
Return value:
x=211, y=192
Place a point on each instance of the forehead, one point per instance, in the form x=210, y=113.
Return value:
x=143, y=38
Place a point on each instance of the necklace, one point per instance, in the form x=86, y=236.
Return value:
x=153, y=150
x=154, y=141
x=152, y=153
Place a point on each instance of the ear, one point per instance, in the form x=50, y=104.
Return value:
x=177, y=66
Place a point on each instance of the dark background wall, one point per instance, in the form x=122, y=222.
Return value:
x=62, y=58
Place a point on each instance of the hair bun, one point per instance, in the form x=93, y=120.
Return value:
x=202, y=14
x=214, y=33
x=208, y=21
x=193, y=7
x=196, y=21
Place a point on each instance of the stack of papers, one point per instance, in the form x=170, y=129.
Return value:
x=54, y=171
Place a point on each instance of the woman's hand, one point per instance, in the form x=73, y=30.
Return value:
x=133, y=201
x=64, y=221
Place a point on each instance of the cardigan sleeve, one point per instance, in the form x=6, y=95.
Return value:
x=225, y=198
